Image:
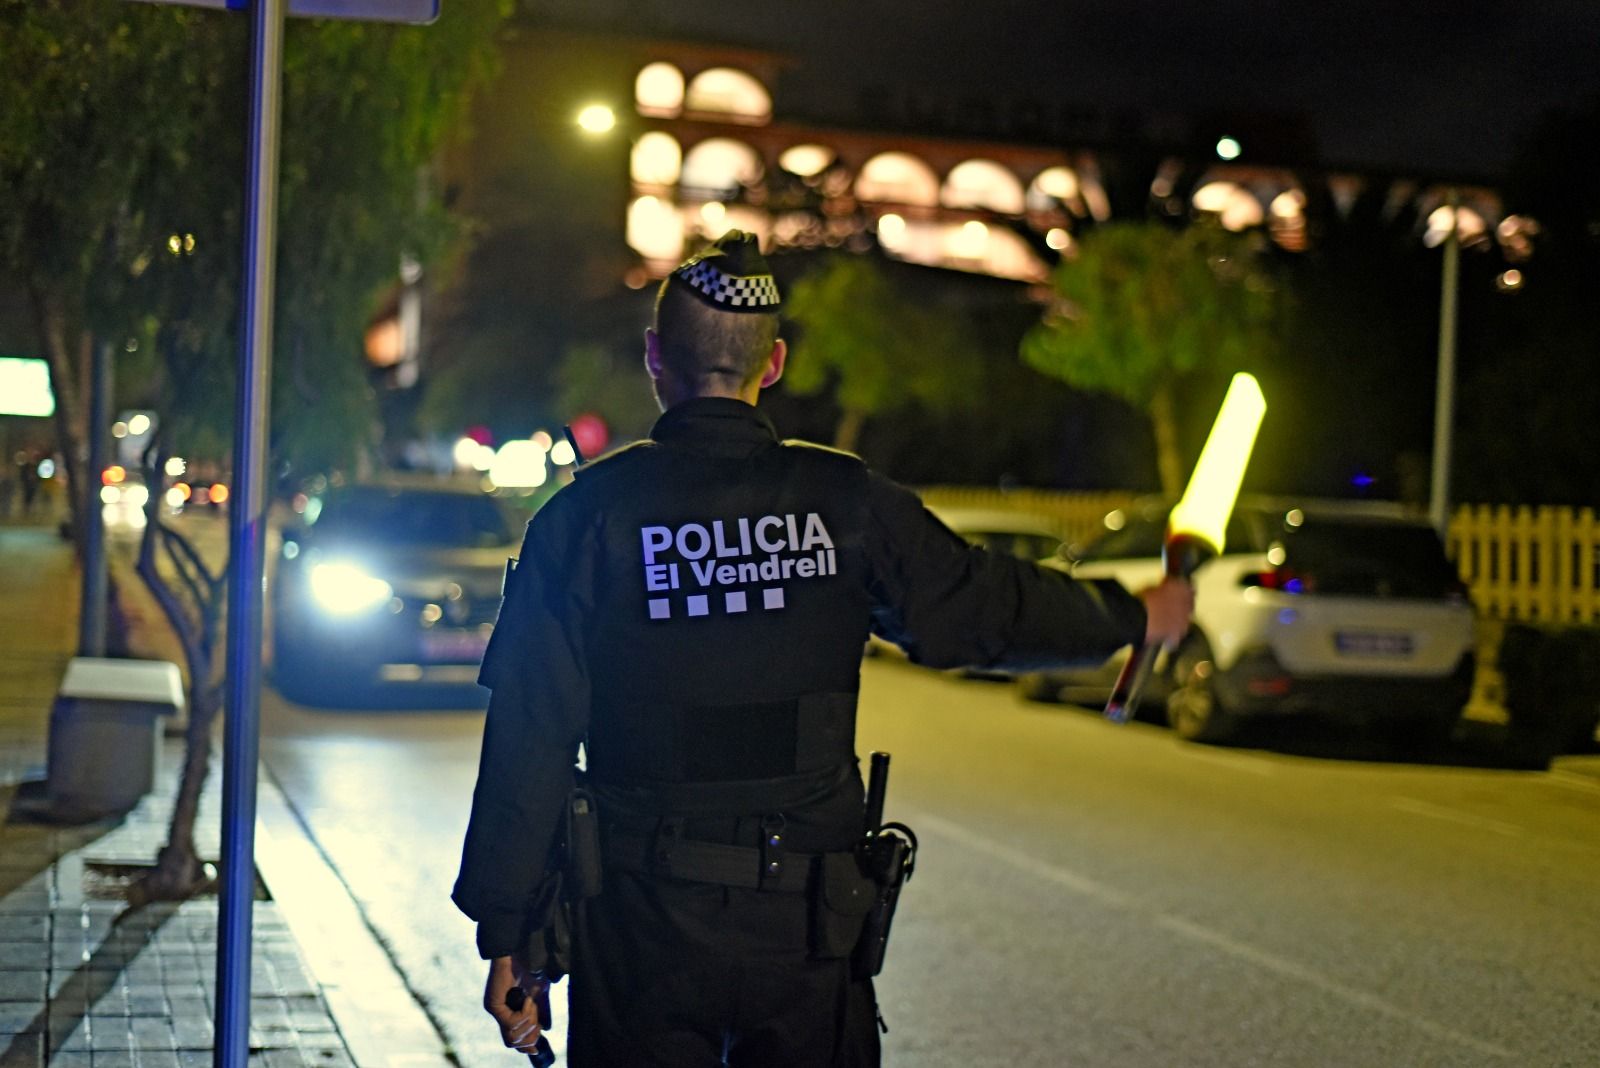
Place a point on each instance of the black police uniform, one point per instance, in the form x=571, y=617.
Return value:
x=693, y=610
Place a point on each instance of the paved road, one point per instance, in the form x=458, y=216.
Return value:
x=1093, y=895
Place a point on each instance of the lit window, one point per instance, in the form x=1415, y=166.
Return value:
x=898, y=178
x=656, y=160
x=728, y=93
x=1469, y=226
x=982, y=183
x=659, y=90
x=655, y=229
x=1053, y=186
x=805, y=160
x=718, y=168
x=1236, y=206
x=1289, y=204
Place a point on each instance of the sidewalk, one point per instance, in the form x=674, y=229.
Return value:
x=86, y=981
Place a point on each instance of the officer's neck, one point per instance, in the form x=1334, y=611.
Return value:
x=671, y=398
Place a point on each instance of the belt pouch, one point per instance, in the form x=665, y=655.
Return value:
x=840, y=899
x=583, y=846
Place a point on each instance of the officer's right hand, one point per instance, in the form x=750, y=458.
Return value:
x=519, y=1029
x=1168, y=608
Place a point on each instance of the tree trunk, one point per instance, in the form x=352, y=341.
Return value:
x=50, y=319
x=1164, y=424
x=179, y=872
x=847, y=435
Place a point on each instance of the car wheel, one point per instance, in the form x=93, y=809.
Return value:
x=1422, y=732
x=1193, y=709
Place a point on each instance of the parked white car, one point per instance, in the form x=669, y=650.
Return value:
x=1342, y=609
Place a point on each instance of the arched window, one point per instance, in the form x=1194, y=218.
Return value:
x=898, y=178
x=655, y=229
x=1235, y=205
x=806, y=160
x=1057, y=185
x=719, y=167
x=729, y=94
x=656, y=159
x=982, y=183
x=658, y=90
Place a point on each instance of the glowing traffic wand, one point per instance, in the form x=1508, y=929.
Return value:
x=1196, y=527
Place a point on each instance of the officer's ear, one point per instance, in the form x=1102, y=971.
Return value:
x=652, y=353
x=774, y=371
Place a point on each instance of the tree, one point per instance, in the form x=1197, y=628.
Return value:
x=121, y=172
x=1146, y=312
x=878, y=347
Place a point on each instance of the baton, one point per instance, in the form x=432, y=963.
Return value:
x=572, y=439
x=542, y=1056
x=1196, y=527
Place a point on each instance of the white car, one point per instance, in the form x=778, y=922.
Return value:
x=1343, y=609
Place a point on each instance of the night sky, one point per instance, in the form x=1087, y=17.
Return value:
x=1444, y=89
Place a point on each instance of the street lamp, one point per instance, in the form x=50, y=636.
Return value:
x=596, y=119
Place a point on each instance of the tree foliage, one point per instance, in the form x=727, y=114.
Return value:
x=880, y=349
x=122, y=166
x=1145, y=312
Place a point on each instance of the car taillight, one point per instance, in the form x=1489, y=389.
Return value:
x=1283, y=579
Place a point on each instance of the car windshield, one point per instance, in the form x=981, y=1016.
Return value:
x=411, y=517
x=1363, y=558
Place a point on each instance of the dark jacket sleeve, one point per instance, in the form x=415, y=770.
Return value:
x=950, y=604
x=538, y=714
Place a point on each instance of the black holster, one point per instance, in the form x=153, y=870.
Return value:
x=561, y=895
x=887, y=857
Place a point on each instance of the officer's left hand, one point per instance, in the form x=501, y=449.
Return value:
x=519, y=1029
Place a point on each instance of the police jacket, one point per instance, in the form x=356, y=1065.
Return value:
x=692, y=609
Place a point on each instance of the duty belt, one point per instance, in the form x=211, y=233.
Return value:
x=668, y=855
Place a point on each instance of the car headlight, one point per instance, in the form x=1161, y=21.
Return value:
x=345, y=589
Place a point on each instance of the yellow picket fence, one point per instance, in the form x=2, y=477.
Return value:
x=1527, y=564
x=1530, y=564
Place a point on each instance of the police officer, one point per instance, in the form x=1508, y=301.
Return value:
x=691, y=610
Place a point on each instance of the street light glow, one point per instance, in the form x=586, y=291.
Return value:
x=1228, y=148
x=596, y=119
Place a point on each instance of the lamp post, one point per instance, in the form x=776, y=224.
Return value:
x=1445, y=391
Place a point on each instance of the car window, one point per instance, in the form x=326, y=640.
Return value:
x=1144, y=537
x=1023, y=545
x=1369, y=559
x=1139, y=538
x=412, y=517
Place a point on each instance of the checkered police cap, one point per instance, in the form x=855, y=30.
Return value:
x=730, y=274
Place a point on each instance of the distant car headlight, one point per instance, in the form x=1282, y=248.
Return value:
x=345, y=589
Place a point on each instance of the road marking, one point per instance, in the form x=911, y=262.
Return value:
x=1243, y=951
x=1573, y=780
x=1466, y=819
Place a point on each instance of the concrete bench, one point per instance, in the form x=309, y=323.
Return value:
x=105, y=736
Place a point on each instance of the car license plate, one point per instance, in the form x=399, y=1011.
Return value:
x=458, y=645
x=1373, y=643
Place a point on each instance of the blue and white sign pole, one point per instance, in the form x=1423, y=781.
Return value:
x=247, y=530
x=247, y=518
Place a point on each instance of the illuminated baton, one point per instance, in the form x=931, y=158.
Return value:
x=1196, y=527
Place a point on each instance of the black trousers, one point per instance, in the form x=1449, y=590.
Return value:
x=672, y=974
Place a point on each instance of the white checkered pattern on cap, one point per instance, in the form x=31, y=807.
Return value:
x=756, y=291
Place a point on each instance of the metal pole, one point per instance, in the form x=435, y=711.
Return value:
x=1444, y=406
x=246, y=535
x=92, y=603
